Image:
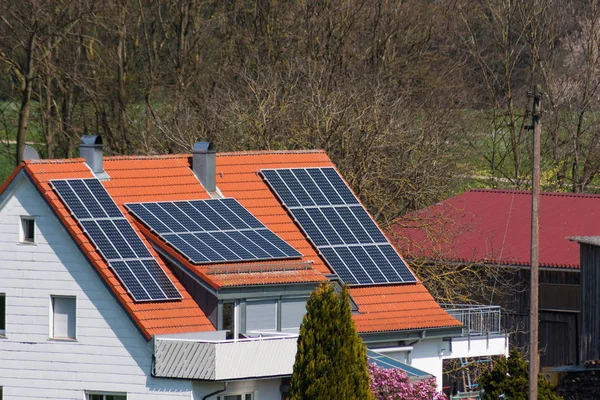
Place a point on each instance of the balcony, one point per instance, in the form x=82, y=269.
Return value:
x=208, y=356
x=477, y=320
x=482, y=335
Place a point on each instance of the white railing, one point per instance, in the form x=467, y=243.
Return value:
x=477, y=320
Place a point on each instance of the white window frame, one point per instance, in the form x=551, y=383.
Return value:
x=221, y=396
x=87, y=395
x=51, y=320
x=3, y=330
x=23, y=230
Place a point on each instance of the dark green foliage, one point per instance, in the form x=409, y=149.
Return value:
x=331, y=361
x=509, y=376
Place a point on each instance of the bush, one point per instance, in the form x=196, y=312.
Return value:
x=393, y=384
x=509, y=377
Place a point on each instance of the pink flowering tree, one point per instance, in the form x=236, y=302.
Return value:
x=393, y=384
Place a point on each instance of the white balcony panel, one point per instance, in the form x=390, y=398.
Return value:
x=224, y=359
x=464, y=347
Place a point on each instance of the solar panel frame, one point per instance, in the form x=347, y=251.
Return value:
x=340, y=227
x=213, y=231
x=115, y=239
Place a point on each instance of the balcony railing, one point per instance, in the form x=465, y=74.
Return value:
x=209, y=356
x=477, y=320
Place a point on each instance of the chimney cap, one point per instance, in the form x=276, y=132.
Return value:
x=91, y=140
x=204, y=148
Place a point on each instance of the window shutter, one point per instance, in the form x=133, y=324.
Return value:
x=261, y=315
x=292, y=312
x=64, y=317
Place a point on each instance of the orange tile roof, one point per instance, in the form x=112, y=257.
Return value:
x=158, y=178
x=398, y=307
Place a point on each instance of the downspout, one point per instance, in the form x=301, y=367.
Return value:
x=216, y=392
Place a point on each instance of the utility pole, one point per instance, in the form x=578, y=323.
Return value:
x=534, y=360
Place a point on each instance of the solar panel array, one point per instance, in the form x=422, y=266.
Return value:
x=212, y=231
x=338, y=225
x=115, y=239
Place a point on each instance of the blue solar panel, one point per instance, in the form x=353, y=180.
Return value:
x=326, y=186
x=115, y=239
x=281, y=188
x=324, y=226
x=88, y=199
x=311, y=187
x=341, y=269
x=70, y=198
x=338, y=225
x=224, y=253
x=100, y=240
x=308, y=225
x=130, y=281
x=211, y=231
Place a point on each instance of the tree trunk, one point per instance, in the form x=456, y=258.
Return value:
x=25, y=100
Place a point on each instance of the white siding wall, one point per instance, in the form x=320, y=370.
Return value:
x=110, y=354
x=264, y=389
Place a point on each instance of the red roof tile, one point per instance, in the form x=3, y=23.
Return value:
x=493, y=226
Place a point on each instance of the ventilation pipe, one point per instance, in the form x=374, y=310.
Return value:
x=92, y=150
x=204, y=164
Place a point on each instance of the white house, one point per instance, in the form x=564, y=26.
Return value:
x=99, y=303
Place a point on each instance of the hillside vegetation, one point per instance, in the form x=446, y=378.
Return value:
x=413, y=100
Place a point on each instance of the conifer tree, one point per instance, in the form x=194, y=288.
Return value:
x=331, y=361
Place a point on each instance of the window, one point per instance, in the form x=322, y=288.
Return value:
x=2, y=319
x=229, y=320
x=292, y=312
x=243, y=396
x=63, y=318
x=283, y=315
x=98, y=396
x=27, y=230
x=261, y=315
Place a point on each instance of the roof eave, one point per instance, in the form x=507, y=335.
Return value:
x=411, y=334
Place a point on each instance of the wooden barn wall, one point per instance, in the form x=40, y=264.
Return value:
x=558, y=336
x=590, y=302
x=559, y=316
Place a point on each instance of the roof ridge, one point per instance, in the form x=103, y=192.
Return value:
x=75, y=160
x=174, y=156
x=266, y=152
x=557, y=194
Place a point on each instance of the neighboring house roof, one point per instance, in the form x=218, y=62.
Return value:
x=162, y=178
x=493, y=226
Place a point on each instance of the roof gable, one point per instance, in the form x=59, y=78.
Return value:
x=153, y=317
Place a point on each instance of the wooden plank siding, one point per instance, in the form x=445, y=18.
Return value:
x=558, y=315
x=110, y=354
x=590, y=302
